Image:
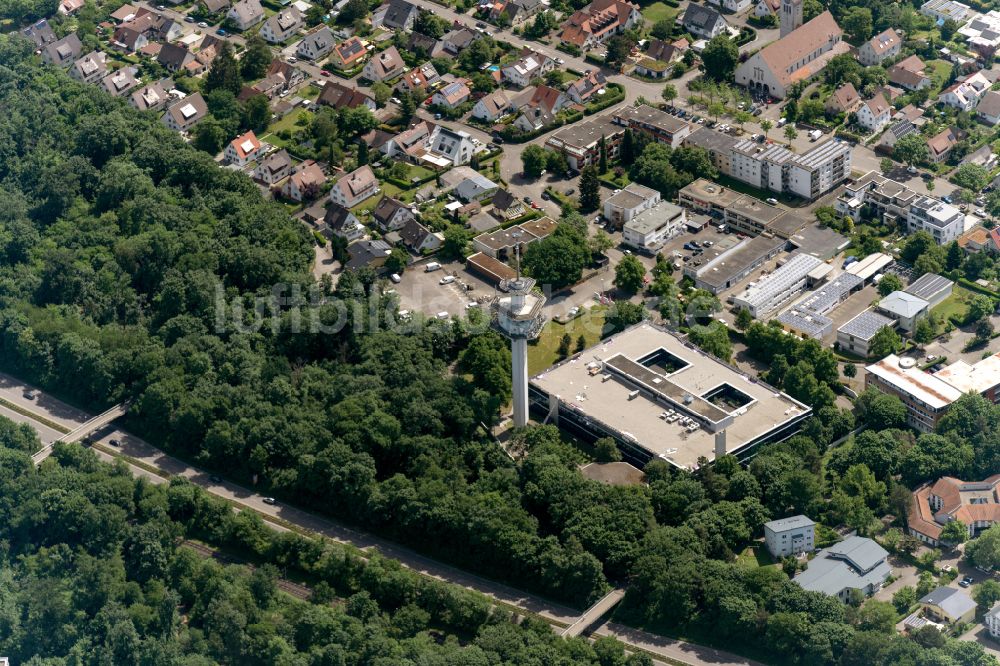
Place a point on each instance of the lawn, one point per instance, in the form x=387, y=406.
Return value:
x=659, y=11
x=545, y=352
x=755, y=556
x=955, y=305
x=939, y=71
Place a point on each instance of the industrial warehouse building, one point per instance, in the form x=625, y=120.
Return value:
x=771, y=291
x=725, y=270
x=660, y=397
x=808, y=316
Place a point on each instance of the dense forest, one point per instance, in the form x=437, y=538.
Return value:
x=95, y=569
x=118, y=242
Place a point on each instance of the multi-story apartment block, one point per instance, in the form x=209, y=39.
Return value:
x=790, y=536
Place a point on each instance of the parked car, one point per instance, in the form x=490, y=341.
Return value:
x=432, y=266
x=269, y=500
x=30, y=394
x=189, y=19
x=967, y=581
x=202, y=24
x=447, y=279
x=395, y=278
x=947, y=200
x=114, y=442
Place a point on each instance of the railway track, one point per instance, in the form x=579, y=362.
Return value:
x=295, y=589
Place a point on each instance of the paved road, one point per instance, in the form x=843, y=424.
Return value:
x=141, y=451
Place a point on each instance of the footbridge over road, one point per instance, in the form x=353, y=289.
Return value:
x=594, y=613
x=82, y=430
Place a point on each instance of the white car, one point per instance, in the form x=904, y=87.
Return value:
x=202, y=24
x=395, y=278
x=292, y=59
x=561, y=61
x=447, y=279
x=442, y=315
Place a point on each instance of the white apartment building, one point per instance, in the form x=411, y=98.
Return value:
x=650, y=229
x=894, y=202
x=942, y=221
x=630, y=202
x=992, y=621
x=774, y=167
x=790, y=536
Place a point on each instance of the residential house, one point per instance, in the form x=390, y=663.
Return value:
x=419, y=79
x=348, y=54
x=856, y=563
x=174, y=58
x=704, y=22
x=274, y=168
x=909, y=73
x=457, y=40
x=939, y=146
x=62, y=52
x=798, y=56
x=340, y=96
x=128, y=39
x=185, y=113
x=419, y=239
x=448, y=147
x=410, y=143
x=168, y=30
x=282, y=25
x=339, y=221
x=668, y=52
x=353, y=188
x=896, y=131
x=91, y=68
x=452, y=95
x=790, y=536
x=964, y=95
x=732, y=6
x=506, y=206
x=424, y=46
x=391, y=214
x=70, y=7
x=492, y=107
x=367, y=254
x=880, y=48
x=121, y=82
x=515, y=11
x=598, y=22
x=541, y=109
x=474, y=186
x=844, y=99
x=40, y=33
x=243, y=149
x=874, y=114
x=584, y=89
x=305, y=182
x=124, y=13
x=765, y=8
x=948, y=605
x=988, y=110
x=290, y=74
x=979, y=239
x=396, y=15
x=580, y=143
x=501, y=244
x=384, y=66
x=992, y=621
x=152, y=97
x=982, y=156
x=528, y=66
x=975, y=503
x=317, y=43
x=245, y=14
x=215, y=6
x=982, y=33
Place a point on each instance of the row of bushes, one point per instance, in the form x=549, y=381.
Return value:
x=607, y=99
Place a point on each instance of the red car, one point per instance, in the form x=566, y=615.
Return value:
x=325, y=73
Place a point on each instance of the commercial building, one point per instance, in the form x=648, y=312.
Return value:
x=704, y=196
x=926, y=396
x=948, y=605
x=856, y=335
x=630, y=202
x=870, y=266
x=725, y=270
x=942, y=10
x=808, y=316
x=975, y=503
x=580, y=142
x=662, y=126
x=751, y=216
x=500, y=244
x=650, y=229
x=931, y=287
x=856, y=563
x=790, y=536
x=773, y=290
x=660, y=397
x=905, y=308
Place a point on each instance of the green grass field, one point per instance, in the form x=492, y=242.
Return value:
x=755, y=556
x=545, y=352
x=955, y=305
x=658, y=11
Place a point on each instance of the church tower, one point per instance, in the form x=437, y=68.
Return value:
x=791, y=15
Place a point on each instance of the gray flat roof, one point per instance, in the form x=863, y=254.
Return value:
x=580, y=388
x=710, y=140
x=927, y=285
x=654, y=218
x=789, y=523
x=952, y=601
x=583, y=135
x=819, y=241
x=756, y=210
x=723, y=268
x=805, y=321
x=865, y=325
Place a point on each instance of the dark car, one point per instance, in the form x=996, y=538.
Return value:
x=215, y=478
x=114, y=442
x=189, y=19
